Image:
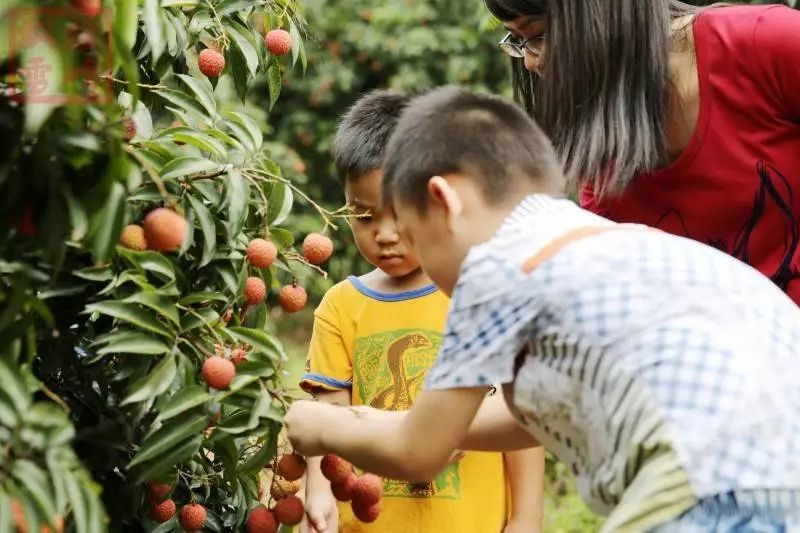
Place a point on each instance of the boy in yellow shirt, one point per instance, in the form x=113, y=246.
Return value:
x=374, y=339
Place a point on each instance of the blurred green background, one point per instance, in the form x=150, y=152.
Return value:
x=358, y=45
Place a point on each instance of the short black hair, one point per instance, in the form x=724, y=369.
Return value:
x=507, y=10
x=485, y=137
x=364, y=132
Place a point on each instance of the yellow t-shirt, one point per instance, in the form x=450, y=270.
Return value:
x=380, y=347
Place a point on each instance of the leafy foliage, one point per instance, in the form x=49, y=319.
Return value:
x=104, y=344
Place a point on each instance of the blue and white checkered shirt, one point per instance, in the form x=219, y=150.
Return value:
x=659, y=369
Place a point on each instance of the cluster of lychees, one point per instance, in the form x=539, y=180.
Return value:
x=163, y=230
x=192, y=516
x=364, y=492
x=211, y=61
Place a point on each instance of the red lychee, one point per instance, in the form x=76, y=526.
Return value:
x=334, y=468
x=291, y=466
x=366, y=513
x=343, y=490
x=289, y=511
x=192, y=517
x=133, y=237
x=279, y=42
x=317, y=248
x=261, y=253
x=238, y=356
x=218, y=372
x=161, y=512
x=128, y=129
x=367, y=490
x=164, y=229
x=254, y=290
x=283, y=488
x=158, y=492
x=293, y=298
x=90, y=8
x=261, y=520
x=211, y=62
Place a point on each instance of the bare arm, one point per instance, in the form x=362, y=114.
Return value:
x=494, y=429
x=415, y=444
x=526, y=477
x=315, y=480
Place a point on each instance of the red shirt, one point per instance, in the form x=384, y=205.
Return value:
x=737, y=184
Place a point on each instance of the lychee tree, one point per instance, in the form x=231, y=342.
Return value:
x=143, y=243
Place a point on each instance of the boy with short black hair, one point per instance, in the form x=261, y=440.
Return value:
x=374, y=339
x=665, y=373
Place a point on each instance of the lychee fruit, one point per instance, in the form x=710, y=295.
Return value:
x=211, y=62
x=291, y=466
x=238, y=356
x=90, y=8
x=158, y=492
x=161, y=512
x=18, y=516
x=334, y=468
x=164, y=230
x=261, y=253
x=128, y=129
x=317, y=248
x=289, y=511
x=218, y=372
x=192, y=517
x=279, y=42
x=261, y=520
x=366, y=513
x=254, y=290
x=293, y=298
x=367, y=490
x=283, y=488
x=343, y=490
x=133, y=237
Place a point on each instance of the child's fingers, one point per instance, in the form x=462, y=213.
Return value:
x=317, y=521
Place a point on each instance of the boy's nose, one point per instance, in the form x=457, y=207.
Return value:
x=387, y=232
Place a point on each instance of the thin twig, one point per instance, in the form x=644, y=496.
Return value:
x=55, y=397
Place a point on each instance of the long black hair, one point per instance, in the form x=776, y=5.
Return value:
x=604, y=93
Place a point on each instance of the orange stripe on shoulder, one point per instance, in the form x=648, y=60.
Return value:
x=553, y=247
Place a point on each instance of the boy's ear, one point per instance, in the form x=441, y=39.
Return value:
x=446, y=197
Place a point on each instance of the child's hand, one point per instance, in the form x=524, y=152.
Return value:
x=303, y=422
x=322, y=515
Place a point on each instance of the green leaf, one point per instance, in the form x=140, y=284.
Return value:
x=280, y=203
x=184, y=166
x=153, y=384
x=203, y=297
x=282, y=237
x=30, y=476
x=231, y=6
x=259, y=460
x=168, y=436
x=202, y=141
x=12, y=383
x=242, y=135
x=208, y=228
x=238, y=194
x=182, y=401
x=203, y=92
x=241, y=39
x=80, y=513
x=240, y=72
x=77, y=215
x=129, y=312
x=133, y=342
x=161, y=304
x=99, y=273
x=126, y=21
x=200, y=317
x=107, y=224
x=167, y=461
x=297, y=41
x=185, y=102
x=260, y=340
x=274, y=82
x=148, y=261
x=154, y=28
x=250, y=125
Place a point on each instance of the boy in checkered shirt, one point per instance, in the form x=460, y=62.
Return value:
x=665, y=373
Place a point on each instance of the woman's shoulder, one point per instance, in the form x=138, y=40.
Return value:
x=740, y=21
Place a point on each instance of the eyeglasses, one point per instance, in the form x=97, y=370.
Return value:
x=513, y=47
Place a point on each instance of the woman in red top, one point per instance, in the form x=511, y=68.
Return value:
x=682, y=118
